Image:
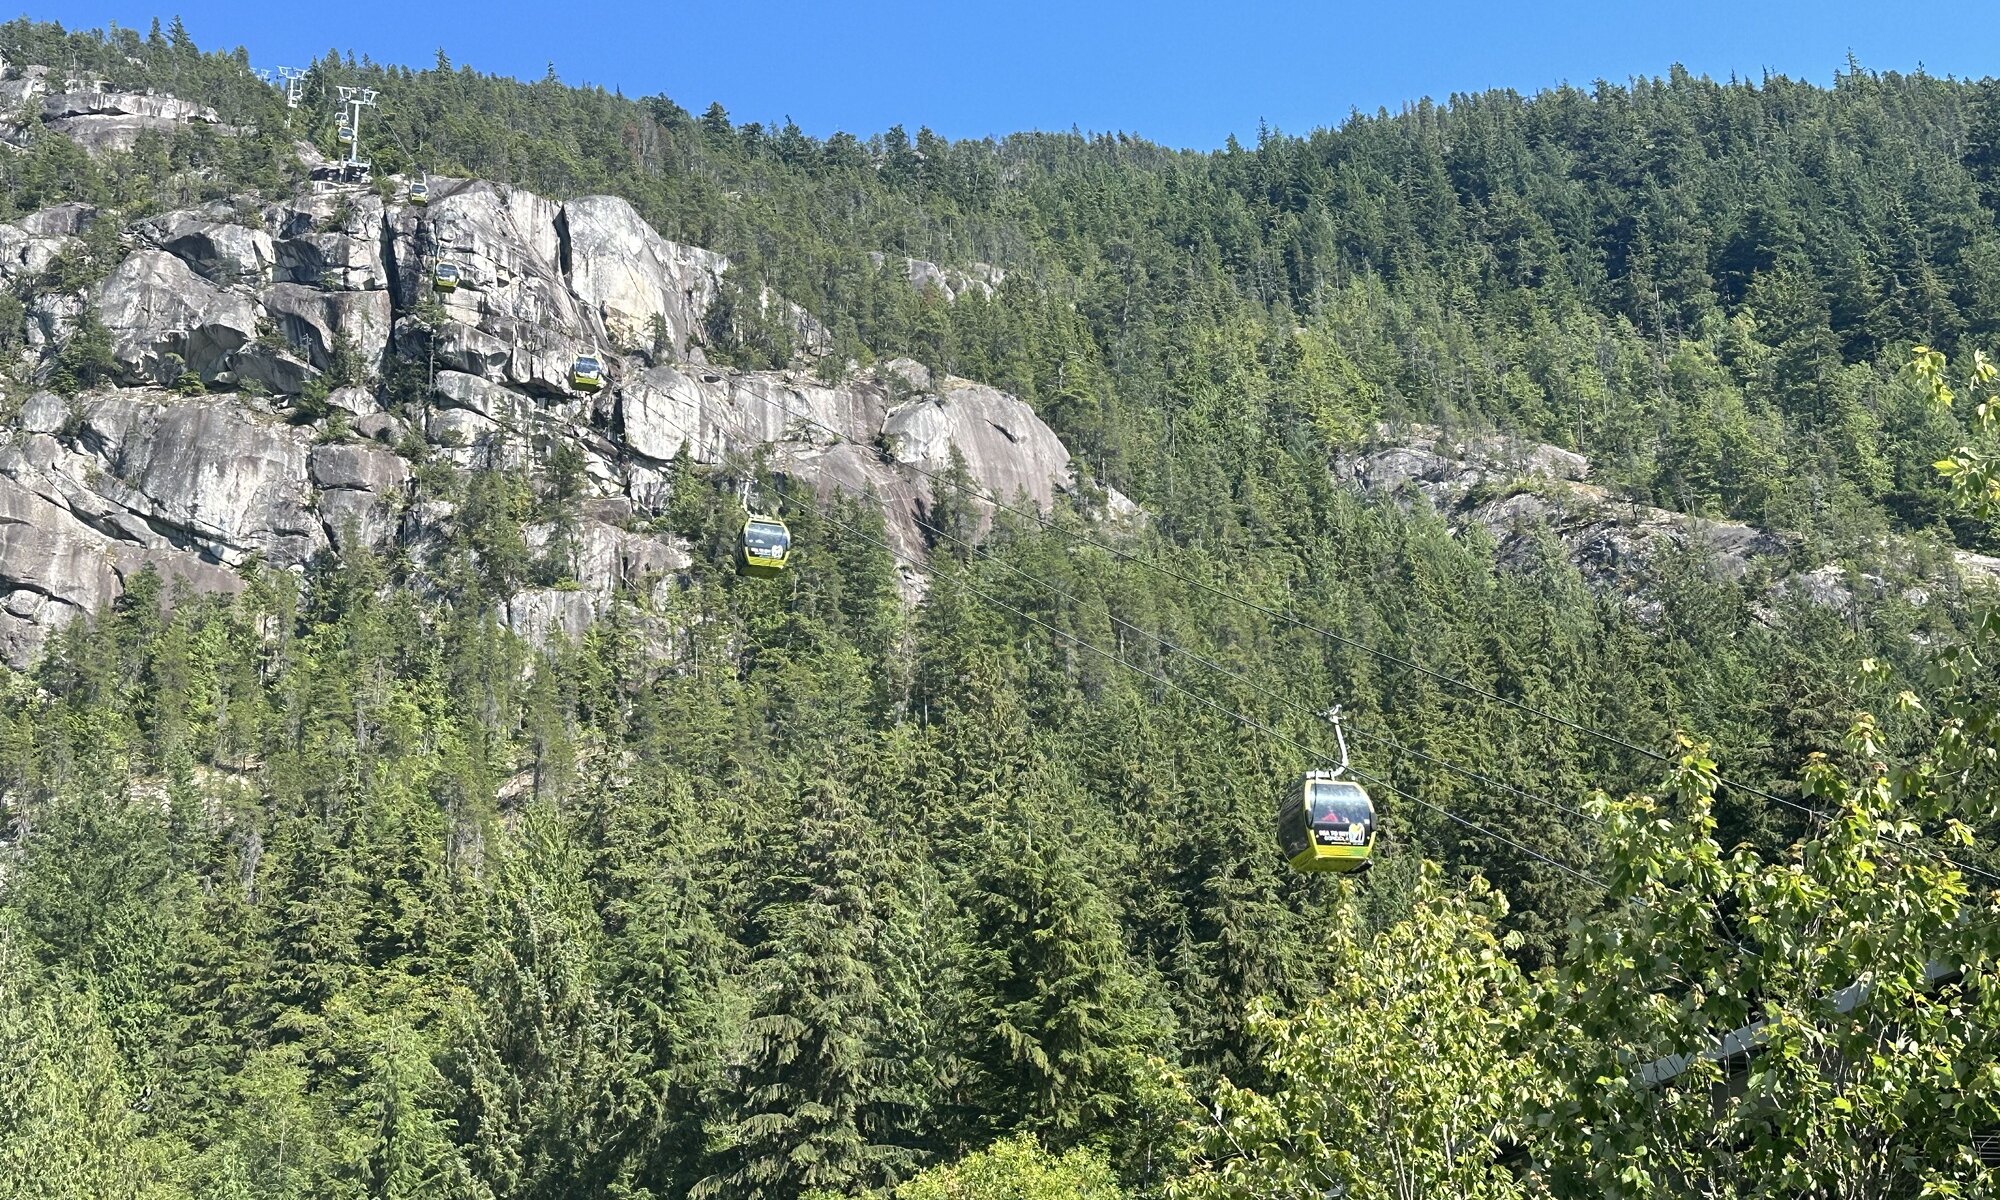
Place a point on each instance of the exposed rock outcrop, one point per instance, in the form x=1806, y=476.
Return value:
x=102, y=120
x=206, y=475
x=28, y=246
x=1512, y=487
x=853, y=438
x=982, y=279
x=1005, y=446
x=711, y=409
x=1446, y=471
x=542, y=615
x=164, y=319
x=17, y=90
x=142, y=481
x=54, y=567
x=1981, y=569
x=511, y=317
x=262, y=297
x=630, y=276
x=362, y=489
x=1517, y=489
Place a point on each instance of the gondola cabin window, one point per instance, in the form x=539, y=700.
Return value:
x=1341, y=813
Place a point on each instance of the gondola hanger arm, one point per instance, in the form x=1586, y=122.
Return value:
x=1333, y=719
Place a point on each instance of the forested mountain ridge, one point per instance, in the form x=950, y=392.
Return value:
x=415, y=802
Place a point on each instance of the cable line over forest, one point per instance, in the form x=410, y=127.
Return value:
x=1111, y=656
x=1161, y=569
x=1166, y=644
x=1225, y=710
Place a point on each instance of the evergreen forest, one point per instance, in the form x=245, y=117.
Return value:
x=337, y=888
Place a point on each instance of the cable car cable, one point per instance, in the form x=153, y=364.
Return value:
x=1211, y=664
x=1497, y=784
x=1249, y=722
x=1385, y=656
x=1164, y=643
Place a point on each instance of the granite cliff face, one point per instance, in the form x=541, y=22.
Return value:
x=91, y=113
x=223, y=440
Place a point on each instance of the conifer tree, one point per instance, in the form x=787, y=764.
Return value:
x=1063, y=1026
x=69, y=1129
x=669, y=974
x=534, y=1053
x=811, y=1056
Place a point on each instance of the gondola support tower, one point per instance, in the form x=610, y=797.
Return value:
x=352, y=101
x=293, y=79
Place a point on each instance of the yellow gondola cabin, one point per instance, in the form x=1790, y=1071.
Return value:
x=1327, y=824
x=765, y=548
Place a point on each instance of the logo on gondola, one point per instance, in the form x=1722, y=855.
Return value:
x=1353, y=835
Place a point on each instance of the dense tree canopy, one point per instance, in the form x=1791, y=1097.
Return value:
x=337, y=889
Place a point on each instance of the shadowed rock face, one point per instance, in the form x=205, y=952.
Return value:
x=105, y=103
x=316, y=321
x=213, y=246
x=331, y=238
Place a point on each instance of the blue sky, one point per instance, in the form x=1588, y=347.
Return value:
x=1184, y=72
